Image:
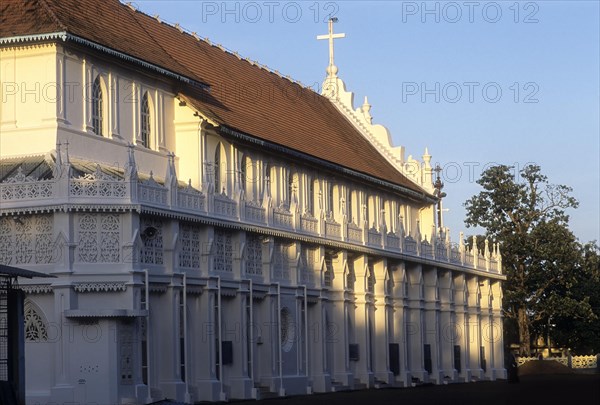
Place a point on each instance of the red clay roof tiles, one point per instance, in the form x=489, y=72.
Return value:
x=242, y=96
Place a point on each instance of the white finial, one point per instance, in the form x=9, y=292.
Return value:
x=331, y=69
x=57, y=171
x=366, y=108
x=130, y=168
x=427, y=159
x=67, y=157
x=171, y=176
x=58, y=155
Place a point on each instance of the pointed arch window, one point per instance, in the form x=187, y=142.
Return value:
x=366, y=209
x=244, y=172
x=310, y=197
x=35, y=324
x=330, y=200
x=349, y=206
x=218, y=168
x=145, y=121
x=97, y=107
x=267, y=175
x=290, y=187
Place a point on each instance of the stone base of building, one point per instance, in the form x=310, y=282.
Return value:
x=321, y=383
x=345, y=379
x=241, y=388
x=209, y=390
x=367, y=378
x=173, y=389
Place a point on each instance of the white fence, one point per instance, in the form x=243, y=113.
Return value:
x=578, y=362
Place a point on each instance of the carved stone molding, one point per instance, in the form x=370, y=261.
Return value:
x=99, y=287
x=194, y=290
x=158, y=288
x=35, y=324
x=36, y=288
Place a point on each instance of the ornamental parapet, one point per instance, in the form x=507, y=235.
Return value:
x=101, y=189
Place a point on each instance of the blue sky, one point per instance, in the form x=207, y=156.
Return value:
x=477, y=82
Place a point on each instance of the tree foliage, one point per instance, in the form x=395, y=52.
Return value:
x=582, y=335
x=542, y=259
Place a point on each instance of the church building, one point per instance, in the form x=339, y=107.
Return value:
x=216, y=230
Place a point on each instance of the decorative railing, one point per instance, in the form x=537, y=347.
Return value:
x=493, y=264
x=90, y=187
x=393, y=241
x=481, y=262
x=97, y=188
x=26, y=191
x=152, y=192
x=255, y=213
x=455, y=255
x=441, y=252
x=333, y=229
x=426, y=249
x=374, y=237
x=282, y=218
x=224, y=206
x=20, y=187
x=584, y=361
x=354, y=233
x=410, y=245
x=309, y=224
x=579, y=362
x=191, y=200
x=469, y=259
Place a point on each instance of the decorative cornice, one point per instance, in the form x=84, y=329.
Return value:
x=36, y=288
x=100, y=287
x=193, y=290
x=65, y=36
x=105, y=313
x=34, y=38
x=69, y=208
x=421, y=196
x=228, y=292
x=158, y=288
x=317, y=240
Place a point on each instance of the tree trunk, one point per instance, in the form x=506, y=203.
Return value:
x=524, y=338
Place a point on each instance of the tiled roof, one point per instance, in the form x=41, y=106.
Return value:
x=8, y=271
x=242, y=96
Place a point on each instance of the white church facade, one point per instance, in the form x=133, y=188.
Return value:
x=218, y=231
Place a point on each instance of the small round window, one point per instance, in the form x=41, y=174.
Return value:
x=288, y=330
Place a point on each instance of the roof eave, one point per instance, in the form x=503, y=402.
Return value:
x=66, y=36
x=422, y=196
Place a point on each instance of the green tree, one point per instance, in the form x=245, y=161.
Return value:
x=540, y=255
x=581, y=335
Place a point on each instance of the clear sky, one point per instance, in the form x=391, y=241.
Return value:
x=478, y=82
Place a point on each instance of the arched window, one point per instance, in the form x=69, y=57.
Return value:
x=349, y=207
x=146, y=129
x=97, y=107
x=290, y=187
x=218, y=168
x=330, y=200
x=365, y=208
x=310, y=196
x=35, y=324
x=244, y=172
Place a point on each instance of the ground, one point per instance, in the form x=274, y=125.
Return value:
x=546, y=389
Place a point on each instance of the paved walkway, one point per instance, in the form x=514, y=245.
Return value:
x=568, y=389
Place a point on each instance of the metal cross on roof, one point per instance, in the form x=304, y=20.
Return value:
x=331, y=36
